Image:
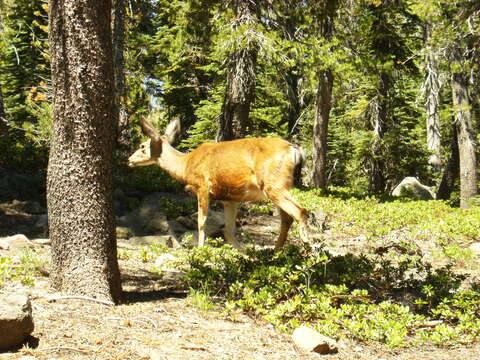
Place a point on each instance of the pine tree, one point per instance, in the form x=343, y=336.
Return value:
x=79, y=186
x=241, y=73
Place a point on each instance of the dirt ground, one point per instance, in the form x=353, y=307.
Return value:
x=157, y=322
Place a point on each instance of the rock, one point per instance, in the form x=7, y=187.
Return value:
x=475, y=247
x=214, y=225
x=16, y=321
x=164, y=260
x=15, y=242
x=411, y=187
x=158, y=224
x=42, y=221
x=165, y=240
x=309, y=340
x=123, y=232
x=175, y=228
x=146, y=219
x=42, y=242
x=188, y=222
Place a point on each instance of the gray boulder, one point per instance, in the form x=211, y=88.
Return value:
x=148, y=218
x=411, y=187
x=214, y=225
x=123, y=232
x=15, y=242
x=310, y=340
x=16, y=322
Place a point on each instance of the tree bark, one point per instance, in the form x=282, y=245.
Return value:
x=118, y=40
x=432, y=87
x=292, y=80
x=320, y=128
x=240, y=92
x=451, y=170
x=79, y=178
x=379, y=119
x=2, y=108
x=466, y=141
x=324, y=101
x=3, y=126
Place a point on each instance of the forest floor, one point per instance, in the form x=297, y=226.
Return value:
x=158, y=321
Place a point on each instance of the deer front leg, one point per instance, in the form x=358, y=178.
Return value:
x=203, y=203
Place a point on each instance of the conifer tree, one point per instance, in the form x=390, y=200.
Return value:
x=79, y=184
x=241, y=73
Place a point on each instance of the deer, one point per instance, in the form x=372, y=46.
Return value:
x=249, y=169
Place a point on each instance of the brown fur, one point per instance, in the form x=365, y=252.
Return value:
x=232, y=171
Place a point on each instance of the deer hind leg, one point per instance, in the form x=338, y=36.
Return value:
x=285, y=201
x=230, y=213
x=286, y=223
x=203, y=203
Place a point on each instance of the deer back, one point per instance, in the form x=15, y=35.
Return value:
x=239, y=170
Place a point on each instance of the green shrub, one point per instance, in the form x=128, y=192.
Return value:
x=341, y=296
x=29, y=265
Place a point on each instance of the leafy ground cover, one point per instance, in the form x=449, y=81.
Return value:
x=393, y=278
x=413, y=280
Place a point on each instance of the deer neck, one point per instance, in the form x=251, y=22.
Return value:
x=172, y=161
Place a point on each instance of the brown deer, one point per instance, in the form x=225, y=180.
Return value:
x=251, y=169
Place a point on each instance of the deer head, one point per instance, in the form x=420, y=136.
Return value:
x=150, y=151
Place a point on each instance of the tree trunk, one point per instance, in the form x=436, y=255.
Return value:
x=240, y=90
x=79, y=178
x=294, y=103
x=432, y=94
x=118, y=39
x=2, y=108
x=466, y=142
x=379, y=119
x=324, y=101
x=320, y=128
x=451, y=171
x=3, y=125
x=475, y=98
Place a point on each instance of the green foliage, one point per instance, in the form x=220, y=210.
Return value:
x=176, y=54
x=29, y=265
x=201, y=299
x=377, y=219
x=150, y=252
x=24, y=70
x=341, y=296
x=388, y=292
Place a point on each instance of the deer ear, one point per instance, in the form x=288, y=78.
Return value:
x=172, y=132
x=149, y=130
